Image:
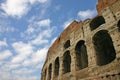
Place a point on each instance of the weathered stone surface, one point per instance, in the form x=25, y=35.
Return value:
x=88, y=50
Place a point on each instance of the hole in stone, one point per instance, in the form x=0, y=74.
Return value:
x=67, y=62
x=81, y=55
x=105, y=52
x=96, y=22
x=67, y=44
x=57, y=65
x=118, y=25
x=49, y=72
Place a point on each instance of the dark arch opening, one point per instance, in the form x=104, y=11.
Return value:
x=67, y=44
x=57, y=65
x=118, y=25
x=96, y=22
x=105, y=52
x=49, y=72
x=67, y=62
x=81, y=55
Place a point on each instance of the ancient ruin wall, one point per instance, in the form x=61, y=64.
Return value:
x=87, y=50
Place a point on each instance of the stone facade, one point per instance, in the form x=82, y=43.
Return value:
x=88, y=50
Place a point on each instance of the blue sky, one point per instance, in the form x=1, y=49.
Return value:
x=29, y=27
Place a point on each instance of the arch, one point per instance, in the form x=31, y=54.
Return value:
x=57, y=65
x=67, y=62
x=81, y=55
x=50, y=72
x=67, y=44
x=118, y=24
x=105, y=52
x=96, y=22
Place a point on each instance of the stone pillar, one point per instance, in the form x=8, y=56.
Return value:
x=92, y=62
x=61, y=66
x=91, y=53
x=73, y=64
x=47, y=73
x=73, y=60
x=53, y=69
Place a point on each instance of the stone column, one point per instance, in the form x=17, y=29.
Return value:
x=53, y=68
x=61, y=66
x=73, y=64
x=91, y=53
x=92, y=62
x=47, y=73
x=73, y=60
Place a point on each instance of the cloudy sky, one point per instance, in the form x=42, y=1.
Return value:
x=29, y=27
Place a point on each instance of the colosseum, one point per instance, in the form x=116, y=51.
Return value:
x=87, y=50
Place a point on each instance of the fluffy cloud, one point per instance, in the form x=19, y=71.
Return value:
x=6, y=29
x=23, y=50
x=40, y=55
x=40, y=30
x=5, y=75
x=17, y=8
x=42, y=38
x=67, y=23
x=86, y=14
x=45, y=22
x=5, y=54
x=36, y=58
x=36, y=26
x=40, y=1
x=3, y=43
x=52, y=41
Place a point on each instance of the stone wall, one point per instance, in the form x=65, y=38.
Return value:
x=88, y=50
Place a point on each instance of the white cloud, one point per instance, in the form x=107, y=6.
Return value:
x=40, y=55
x=23, y=71
x=67, y=23
x=45, y=22
x=37, y=58
x=26, y=77
x=13, y=66
x=5, y=75
x=17, y=8
x=6, y=29
x=86, y=14
x=5, y=54
x=38, y=31
x=35, y=27
x=23, y=50
x=53, y=40
x=42, y=38
x=40, y=1
x=3, y=43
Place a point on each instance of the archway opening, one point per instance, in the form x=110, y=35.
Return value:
x=67, y=44
x=67, y=62
x=50, y=72
x=118, y=25
x=57, y=65
x=105, y=52
x=81, y=55
x=96, y=22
